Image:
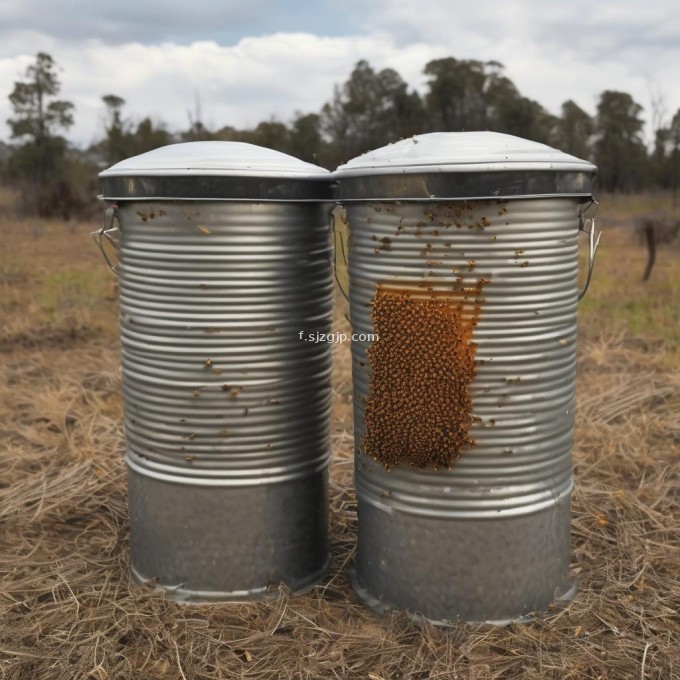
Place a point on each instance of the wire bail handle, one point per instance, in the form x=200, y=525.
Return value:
x=593, y=243
x=106, y=232
x=340, y=233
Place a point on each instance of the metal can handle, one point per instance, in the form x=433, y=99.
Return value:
x=593, y=243
x=106, y=232
x=340, y=235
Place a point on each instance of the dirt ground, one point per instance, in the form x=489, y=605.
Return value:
x=68, y=608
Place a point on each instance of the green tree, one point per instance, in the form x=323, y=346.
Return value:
x=272, y=134
x=475, y=95
x=510, y=112
x=123, y=138
x=197, y=132
x=620, y=153
x=117, y=144
x=305, y=138
x=456, y=98
x=38, y=117
x=574, y=130
x=674, y=142
x=670, y=162
x=369, y=110
x=148, y=136
x=665, y=158
x=39, y=164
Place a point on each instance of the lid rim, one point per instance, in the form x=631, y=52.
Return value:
x=463, y=168
x=217, y=188
x=458, y=186
x=322, y=175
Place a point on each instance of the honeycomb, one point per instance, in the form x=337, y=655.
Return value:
x=418, y=407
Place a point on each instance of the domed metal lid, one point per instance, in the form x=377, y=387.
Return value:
x=216, y=171
x=453, y=165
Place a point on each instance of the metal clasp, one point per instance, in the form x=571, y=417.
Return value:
x=107, y=232
x=593, y=244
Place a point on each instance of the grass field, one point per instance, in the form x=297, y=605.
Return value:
x=69, y=610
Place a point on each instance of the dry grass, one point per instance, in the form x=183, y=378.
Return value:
x=617, y=304
x=69, y=610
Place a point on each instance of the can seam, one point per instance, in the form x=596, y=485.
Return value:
x=182, y=595
x=168, y=474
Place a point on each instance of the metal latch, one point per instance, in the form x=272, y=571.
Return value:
x=586, y=220
x=109, y=232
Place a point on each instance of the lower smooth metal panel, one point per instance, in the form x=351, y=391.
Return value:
x=474, y=570
x=206, y=542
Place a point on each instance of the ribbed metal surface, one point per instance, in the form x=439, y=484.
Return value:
x=213, y=297
x=220, y=393
x=523, y=395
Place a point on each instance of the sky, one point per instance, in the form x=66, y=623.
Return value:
x=239, y=62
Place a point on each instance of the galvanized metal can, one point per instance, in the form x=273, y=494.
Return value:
x=463, y=261
x=224, y=270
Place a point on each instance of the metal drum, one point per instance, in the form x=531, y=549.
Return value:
x=224, y=261
x=463, y=260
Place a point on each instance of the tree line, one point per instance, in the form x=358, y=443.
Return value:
x=372, y=108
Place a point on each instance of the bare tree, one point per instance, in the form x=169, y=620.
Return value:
x=657, y=100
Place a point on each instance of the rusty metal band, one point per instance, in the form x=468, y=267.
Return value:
x=216, y=188
x=465, y=185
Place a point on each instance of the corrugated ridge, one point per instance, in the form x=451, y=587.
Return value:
x=216, y=380
x=523, y=393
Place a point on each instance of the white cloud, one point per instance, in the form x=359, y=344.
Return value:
x=553, y=51
x=254, y=80
x=570, y=51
